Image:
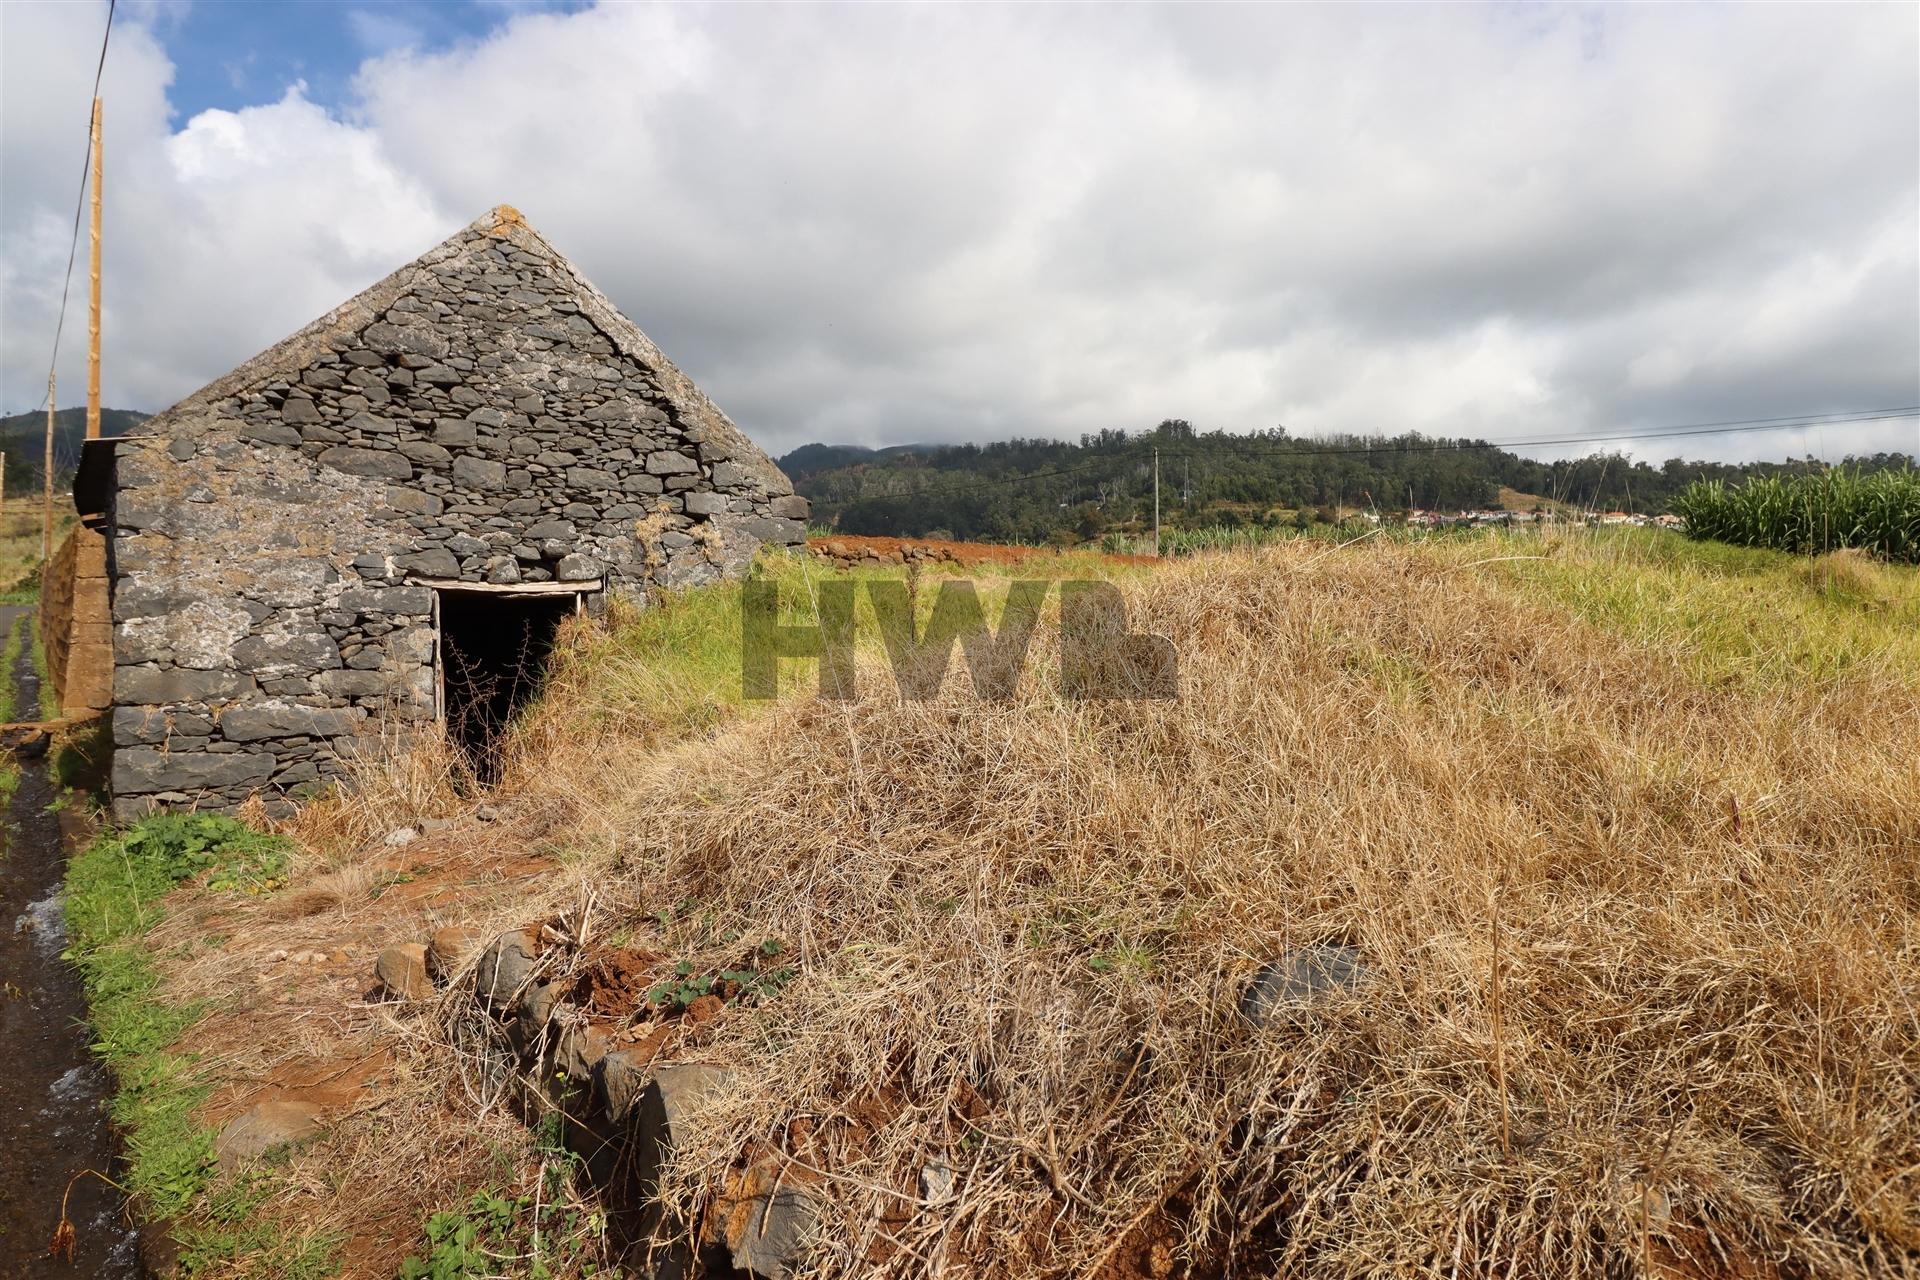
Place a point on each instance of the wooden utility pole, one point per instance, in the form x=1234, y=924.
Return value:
x=1156, y=501
x=93, y=315
x=46, y=515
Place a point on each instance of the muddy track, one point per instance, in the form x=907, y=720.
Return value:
x=53, y=1120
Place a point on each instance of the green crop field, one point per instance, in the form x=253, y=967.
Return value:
x=1879, y=512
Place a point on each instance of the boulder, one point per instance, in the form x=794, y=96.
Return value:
x=658, y=1115
x=155, y=687
x=766, y=1224
x=578, y=568
x=470, y=472
x=534, y=1010
x=505, y=967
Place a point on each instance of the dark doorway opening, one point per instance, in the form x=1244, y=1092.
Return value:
x=493, y=658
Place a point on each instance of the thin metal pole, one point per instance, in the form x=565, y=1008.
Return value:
x=1156, y=501
x=46, y=515
x=93, y=316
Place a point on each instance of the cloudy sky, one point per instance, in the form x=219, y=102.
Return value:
x=941, y=222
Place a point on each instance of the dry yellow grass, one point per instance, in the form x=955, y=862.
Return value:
x=1701, y=892
x=20, y=530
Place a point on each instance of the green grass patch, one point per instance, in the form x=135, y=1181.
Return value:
x=674, y=668
x=1736, y=614
x=114, y=892
x=49, y=701
x=10, y=659
x=228, y=1228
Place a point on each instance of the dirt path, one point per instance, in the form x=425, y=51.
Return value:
x=53, y=1121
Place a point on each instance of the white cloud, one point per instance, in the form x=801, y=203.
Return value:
x=884, y=224
x=381, y=33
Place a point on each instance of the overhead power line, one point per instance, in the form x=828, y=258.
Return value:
x=80, y=202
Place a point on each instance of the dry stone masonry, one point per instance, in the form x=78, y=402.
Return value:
x=481, y=416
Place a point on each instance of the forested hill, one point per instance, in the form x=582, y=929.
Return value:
x=23, y=437
x=1105, y=481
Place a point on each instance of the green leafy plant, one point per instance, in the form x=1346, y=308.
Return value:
x=540, y=1234
x=686, y=986
x=1878, y=511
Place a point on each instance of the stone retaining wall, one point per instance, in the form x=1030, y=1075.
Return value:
x=76, y=624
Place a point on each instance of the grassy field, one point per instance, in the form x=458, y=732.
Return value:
x=1625, y=828
x=20, y=530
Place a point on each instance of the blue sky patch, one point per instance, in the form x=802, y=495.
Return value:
x=229, y=54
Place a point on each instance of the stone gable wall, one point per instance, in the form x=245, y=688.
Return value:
x=484, y=419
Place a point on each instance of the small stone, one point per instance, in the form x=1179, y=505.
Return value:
x=253, y=1133
x=448, y=949
x=299, y=409
x=401, y=836
x=366, y=462
x=578, y=568
x=1298, y=980
x=669, y=463
x=936, y=1180
x=402, y=970
x=470, y=472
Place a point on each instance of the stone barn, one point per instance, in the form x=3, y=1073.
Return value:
x=382, y=519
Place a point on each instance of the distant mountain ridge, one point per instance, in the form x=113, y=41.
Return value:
x=23, y=437
x=809, y=459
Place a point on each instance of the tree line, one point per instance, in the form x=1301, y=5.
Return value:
x=1036, y=490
